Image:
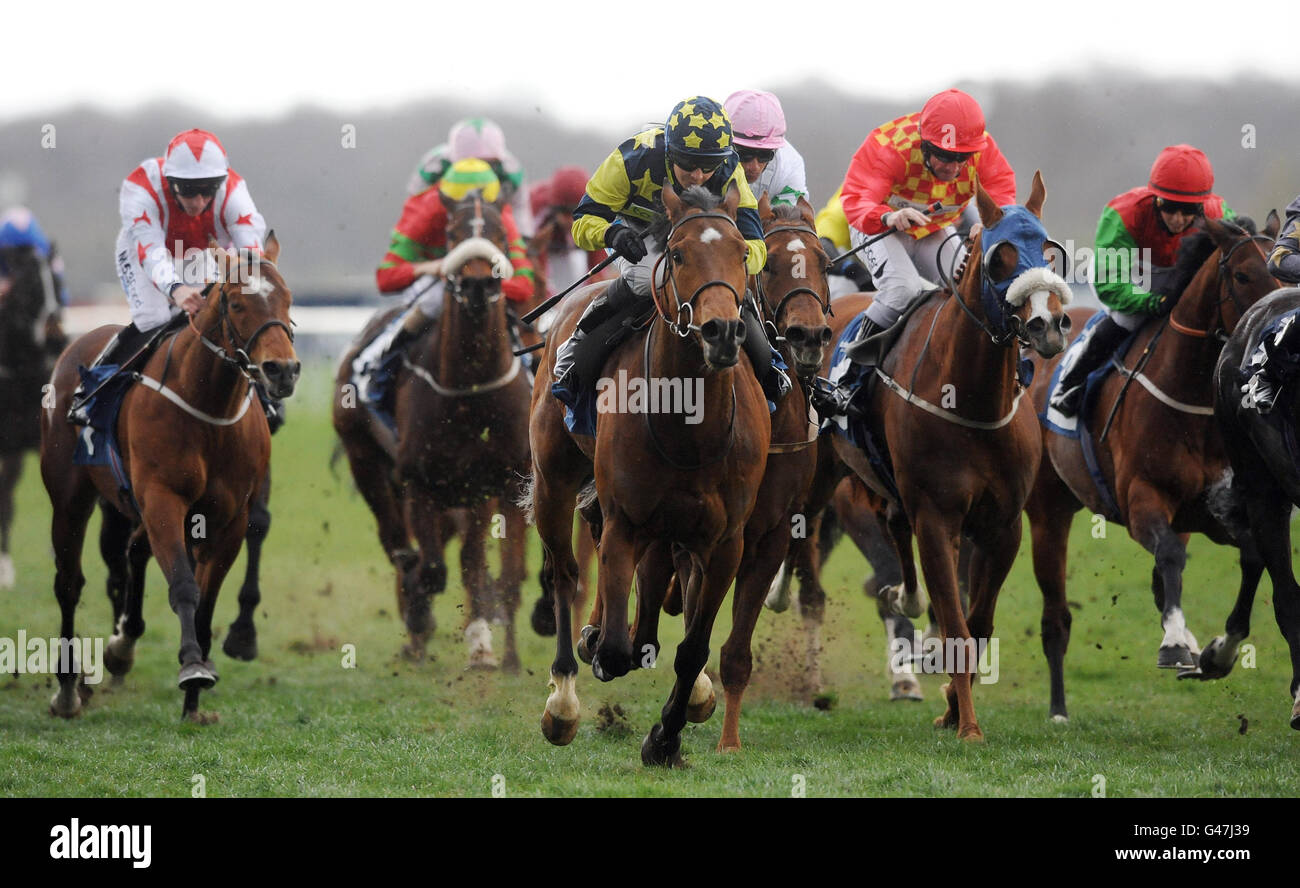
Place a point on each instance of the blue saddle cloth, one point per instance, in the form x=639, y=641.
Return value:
x=581, y=407
x=853, y=426
x=97, y=442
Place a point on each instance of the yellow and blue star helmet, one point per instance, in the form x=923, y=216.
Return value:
x=470, y=174
x=698, y=128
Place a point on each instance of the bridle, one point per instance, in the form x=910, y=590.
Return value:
x=1225, y=284
x=239, y=357
x=823, y=300
x=684, y=328
x=491, y=289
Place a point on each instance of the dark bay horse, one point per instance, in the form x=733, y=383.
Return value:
x=30, y=339
x=462, y=445
x=1265, y=487
x=661, y=479
x=195, y=448
x=1162, y=458
x=966, y=470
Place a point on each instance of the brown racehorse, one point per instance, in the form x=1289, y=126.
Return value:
x=30, y=339
x=462, y=444
x=965, y=470
x=196, y=449
x=1162, y=456
x=661, y=479
x=1265, y=486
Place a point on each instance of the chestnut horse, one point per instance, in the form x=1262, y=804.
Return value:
x=30, y=339
x=967, y=471
x=1162, y=457
x=660, y=479
x=1265, y=486
x=462, y=445
x=195, y=448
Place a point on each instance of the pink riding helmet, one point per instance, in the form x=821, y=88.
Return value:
x=757, y=120
x=476, y=137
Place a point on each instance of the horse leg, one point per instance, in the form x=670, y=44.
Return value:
x=554, y=518
x=1149, y=524
x=653, y=576
x=662, y=746
x=478, y=594
x=428, y=576
x=119, y=653
x=1051, y=507
x=618, y=560
x=514, y=569
x=1220, y=655
x=759, y=562
x=1270, y=520
x=937, y=537
x=589, y=633
x=11, y=467
x=895, y=603
x=241, y=637
x=114, y=535
x=73, y=498
x=219, y=555
x=990, y=562
x=812, y=605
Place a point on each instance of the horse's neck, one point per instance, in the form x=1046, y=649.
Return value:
x=1198, y=311
x=968, y=356
x=198, y=375
x=471, y=352
x=675, y=358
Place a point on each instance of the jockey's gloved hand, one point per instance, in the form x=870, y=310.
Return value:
x=857, y=272
x=626, y=242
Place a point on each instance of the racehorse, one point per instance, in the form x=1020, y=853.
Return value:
x=462, y=445
x=661, y=480
x=195, y=455
x=30, y=339
x=966, y=471
x=1161, y=457
x=1265, y=486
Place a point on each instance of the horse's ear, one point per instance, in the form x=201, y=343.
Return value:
x=1273, y=224
x=672, y=203
x=990, y=213
x=271, y=250
x=731, y=200
x=1223, y=235
x=1036, y=195
x=806, y=210
x=765, y=209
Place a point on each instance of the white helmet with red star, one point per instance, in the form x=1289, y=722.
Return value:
x=195, y=155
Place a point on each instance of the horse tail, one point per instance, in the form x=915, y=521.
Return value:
x=587, y=496
x=527, y=486
x=335, y=454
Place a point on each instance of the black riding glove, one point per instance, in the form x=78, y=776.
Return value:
x=626, y=242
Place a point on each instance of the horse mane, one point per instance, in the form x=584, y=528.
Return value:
x=696, y=196
x=787, y=213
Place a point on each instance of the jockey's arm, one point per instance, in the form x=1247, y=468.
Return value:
x=411, y=242
x=1284, y=261
x=747, y=222
x=870, y=178
x=142, y=221
x=239, y=216
x=607, y=193
x=520, y=287
x=1113, y=278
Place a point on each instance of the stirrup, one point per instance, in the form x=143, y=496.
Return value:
x=829, y=399
x=866, y=349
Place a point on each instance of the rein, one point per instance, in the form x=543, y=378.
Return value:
x=1225, y=282
x=823, y=300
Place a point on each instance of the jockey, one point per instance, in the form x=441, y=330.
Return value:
x=850, y=275
x=481, y=138
x=170, y=207
x=20, y=230
x=552, y=249
x=622, y=200
x=1145, y=235
x=904, y=167
x=413, y=263
x=1266, y=379
x=772, y=165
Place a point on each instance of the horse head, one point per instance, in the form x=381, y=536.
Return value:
x=793, y=286
x=704, y=266
x=476, y=263
x=1234, y=276
x=1019, y=274
x=249, y=317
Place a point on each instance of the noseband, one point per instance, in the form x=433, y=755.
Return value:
x=684, y=328
x=240, y=359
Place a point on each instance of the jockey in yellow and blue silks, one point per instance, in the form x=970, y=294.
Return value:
x=623, y=199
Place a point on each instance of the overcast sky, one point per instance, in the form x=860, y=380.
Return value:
x=592, y=64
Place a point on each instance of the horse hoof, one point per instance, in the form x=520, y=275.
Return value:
x=65, y=708
x=196, y=675
x=557, y=731
x=240, y=644
x=971, y=734
x=202, y=719
x=1295, y=713
x=587, y=640
x=1212, y=659
x=116, y=662
x=510, y=665
x=906, y=689
x=419, y=617
x=1177, y=656
x=699, y=713
x=1060, y=718
x=658, y=750
x=85, y=691
x=543, y=618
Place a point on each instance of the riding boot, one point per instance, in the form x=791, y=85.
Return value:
x=124, y=345
x=618, y=297
x=1104, y=340
x=831, y=400
x=774, y=382
x=864, y=350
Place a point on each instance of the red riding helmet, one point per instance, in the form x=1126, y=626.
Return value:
x=1183, y=174
x=568, y=186
x=953, y=121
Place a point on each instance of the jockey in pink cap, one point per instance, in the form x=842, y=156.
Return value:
x=477, y=137
x=772, y=165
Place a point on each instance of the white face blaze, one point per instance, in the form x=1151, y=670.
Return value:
x=710, y=234
x=795, y=245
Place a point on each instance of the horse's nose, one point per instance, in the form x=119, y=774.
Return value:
x=722, y=339
x=281, y=376
x=798, y=335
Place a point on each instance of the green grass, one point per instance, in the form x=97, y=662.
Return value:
x=296, y=723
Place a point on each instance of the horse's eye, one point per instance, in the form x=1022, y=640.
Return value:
x=677, y=256
x=1241, y=277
